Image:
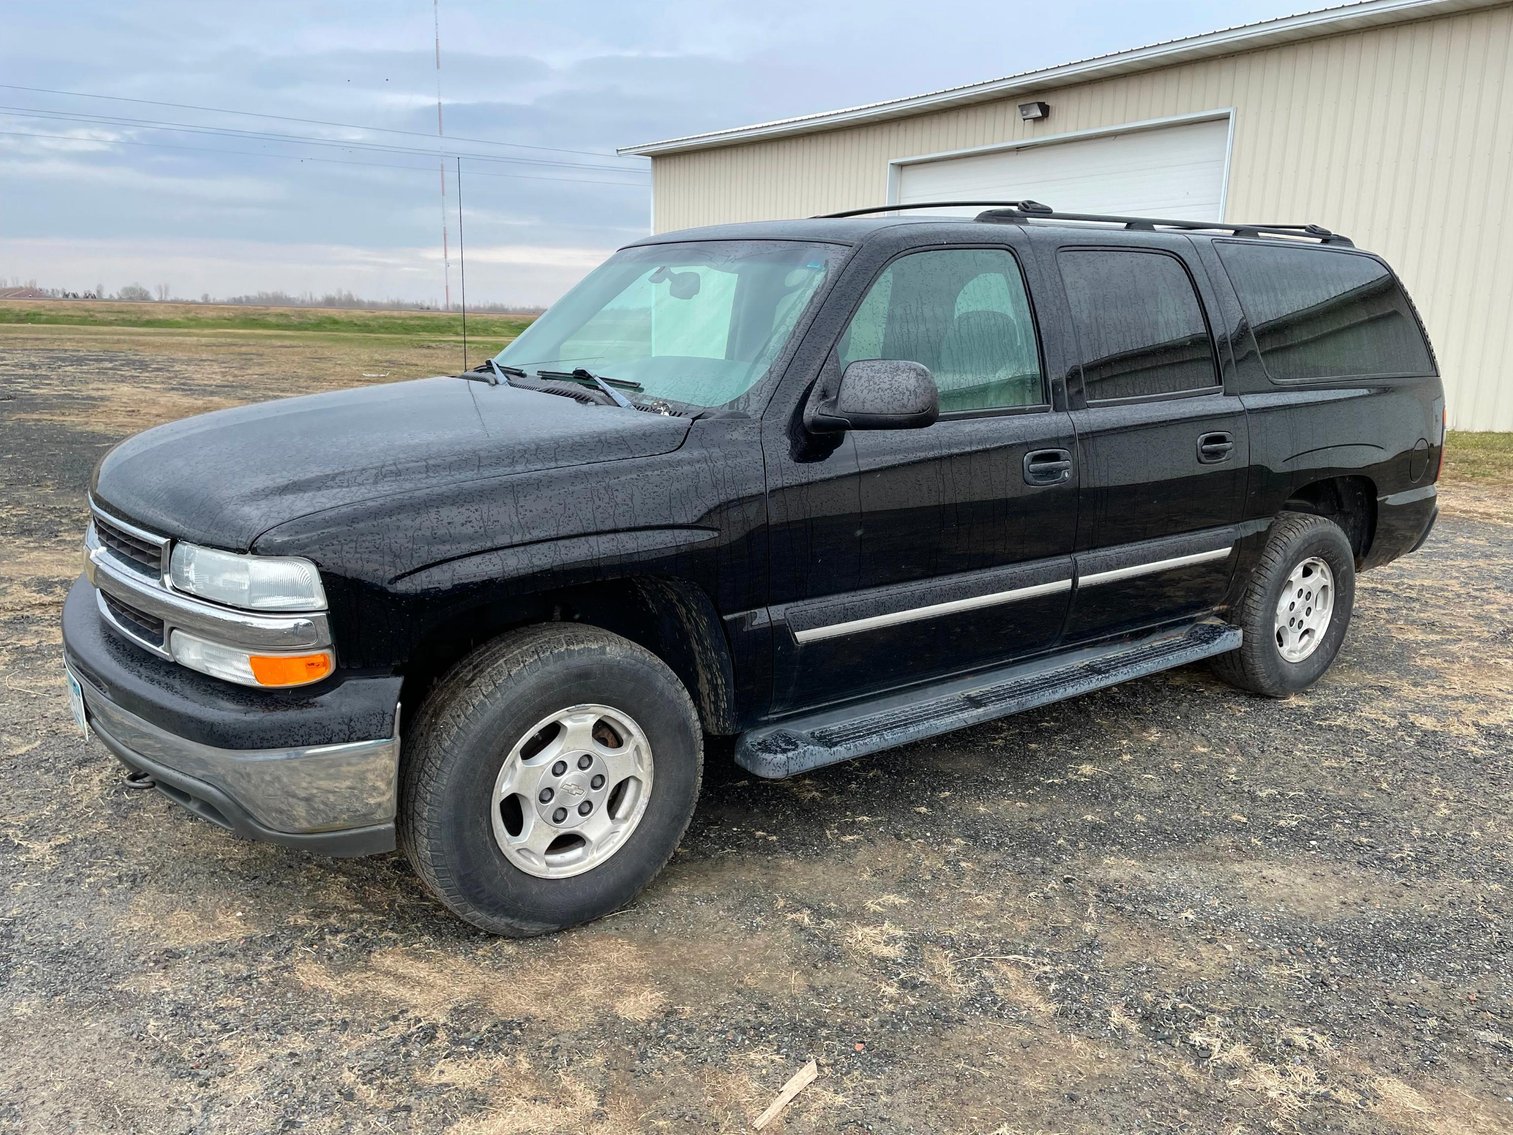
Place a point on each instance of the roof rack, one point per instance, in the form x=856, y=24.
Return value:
x=1018, y=212
x=1024, y=206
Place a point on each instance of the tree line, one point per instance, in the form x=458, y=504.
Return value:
x=136, y=292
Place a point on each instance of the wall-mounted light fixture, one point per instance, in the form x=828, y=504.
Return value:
x=1030, y=111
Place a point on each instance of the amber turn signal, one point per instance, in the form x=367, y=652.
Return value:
x=290, y=669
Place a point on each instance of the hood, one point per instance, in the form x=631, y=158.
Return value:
x=223, y=478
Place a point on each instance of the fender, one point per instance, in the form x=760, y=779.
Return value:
x=562, y=562
x=629, y=581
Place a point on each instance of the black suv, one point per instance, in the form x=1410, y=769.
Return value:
x=821, y=486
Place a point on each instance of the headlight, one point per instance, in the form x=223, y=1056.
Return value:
x=247, y=669
x=253, y=583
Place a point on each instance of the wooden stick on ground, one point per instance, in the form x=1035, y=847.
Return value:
x=801, y=1080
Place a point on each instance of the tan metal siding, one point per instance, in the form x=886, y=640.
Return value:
x=1401, y=136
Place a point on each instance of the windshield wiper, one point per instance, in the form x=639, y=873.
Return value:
x=493, y=373
x=497, y=371
x=607, y=385
x=583, y=375
x=503, y=373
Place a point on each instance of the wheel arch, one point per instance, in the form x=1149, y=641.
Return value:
x=673, y=618
x=1349, y=501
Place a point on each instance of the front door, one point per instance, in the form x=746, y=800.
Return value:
x=958, y=553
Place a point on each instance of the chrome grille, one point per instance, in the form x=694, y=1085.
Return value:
x=138, y=624
x=132, y=548
x=127, y=566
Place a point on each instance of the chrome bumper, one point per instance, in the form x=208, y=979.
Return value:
x=336, y=799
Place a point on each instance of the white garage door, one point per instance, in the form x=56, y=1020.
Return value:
x=1169, y=171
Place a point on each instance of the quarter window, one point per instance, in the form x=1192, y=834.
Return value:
x=963, y=313
x=1321, y=313
x=1140, y=328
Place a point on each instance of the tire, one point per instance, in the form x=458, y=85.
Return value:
x=480, y=734
x=1268, y=662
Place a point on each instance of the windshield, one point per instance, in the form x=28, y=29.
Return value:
x=698, y=323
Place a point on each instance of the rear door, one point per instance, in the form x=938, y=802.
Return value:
x=1162, y=446
x=962, y=531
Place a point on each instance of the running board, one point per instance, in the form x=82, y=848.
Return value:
x=833, y=735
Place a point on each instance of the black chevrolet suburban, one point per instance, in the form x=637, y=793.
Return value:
x=820, y=487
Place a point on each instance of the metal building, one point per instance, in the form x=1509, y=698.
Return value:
x=1390, y=121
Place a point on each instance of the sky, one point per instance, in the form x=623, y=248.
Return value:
x=91, y=193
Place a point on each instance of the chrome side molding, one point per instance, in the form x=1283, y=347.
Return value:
x=931, y=611
x=1116, y=574
x=936, y=610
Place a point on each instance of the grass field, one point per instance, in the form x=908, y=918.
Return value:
x=276, y=350
x=236, y=317
x=1484, y=458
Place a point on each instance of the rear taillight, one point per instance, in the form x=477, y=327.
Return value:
x=1444, y=427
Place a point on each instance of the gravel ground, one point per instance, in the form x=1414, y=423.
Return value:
x=1164, y=907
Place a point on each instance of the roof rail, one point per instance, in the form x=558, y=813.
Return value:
x=1150, y=224
x=1018, y=212
x=1023, y=206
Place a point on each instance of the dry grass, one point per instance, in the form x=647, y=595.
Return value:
x=246, y=366
x=617, y=980
x=1477, y=480
x=1479, y=458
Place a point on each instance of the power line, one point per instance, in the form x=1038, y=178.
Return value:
x=305, y=158
x=291, y=139
x=306, y=121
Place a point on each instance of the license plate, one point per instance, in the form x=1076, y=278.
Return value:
x=76, y=704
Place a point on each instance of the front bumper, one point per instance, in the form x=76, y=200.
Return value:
x=315, y=768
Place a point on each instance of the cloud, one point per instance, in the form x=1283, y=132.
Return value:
x=590, y=75
x=523, y=275
x=57, y=167
x=49, y=142
x=579, y=260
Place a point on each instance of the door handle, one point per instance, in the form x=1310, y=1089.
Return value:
x=1047, y=467
x=1215, y=447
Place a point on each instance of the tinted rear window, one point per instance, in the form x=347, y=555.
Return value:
x=1139, y=324
x=1317, y=313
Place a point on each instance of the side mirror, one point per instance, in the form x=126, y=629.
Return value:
x=877, y=394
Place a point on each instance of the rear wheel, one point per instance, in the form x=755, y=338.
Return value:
x=1296, y=609
x=550, y=777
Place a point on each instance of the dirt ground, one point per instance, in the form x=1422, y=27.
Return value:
x=1166, y=907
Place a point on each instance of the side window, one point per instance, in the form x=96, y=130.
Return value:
x=1139, y=324
x=963, y=313
x=1322, y=313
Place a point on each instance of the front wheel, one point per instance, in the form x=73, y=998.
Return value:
x=551, y=776
x=1295, y=610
